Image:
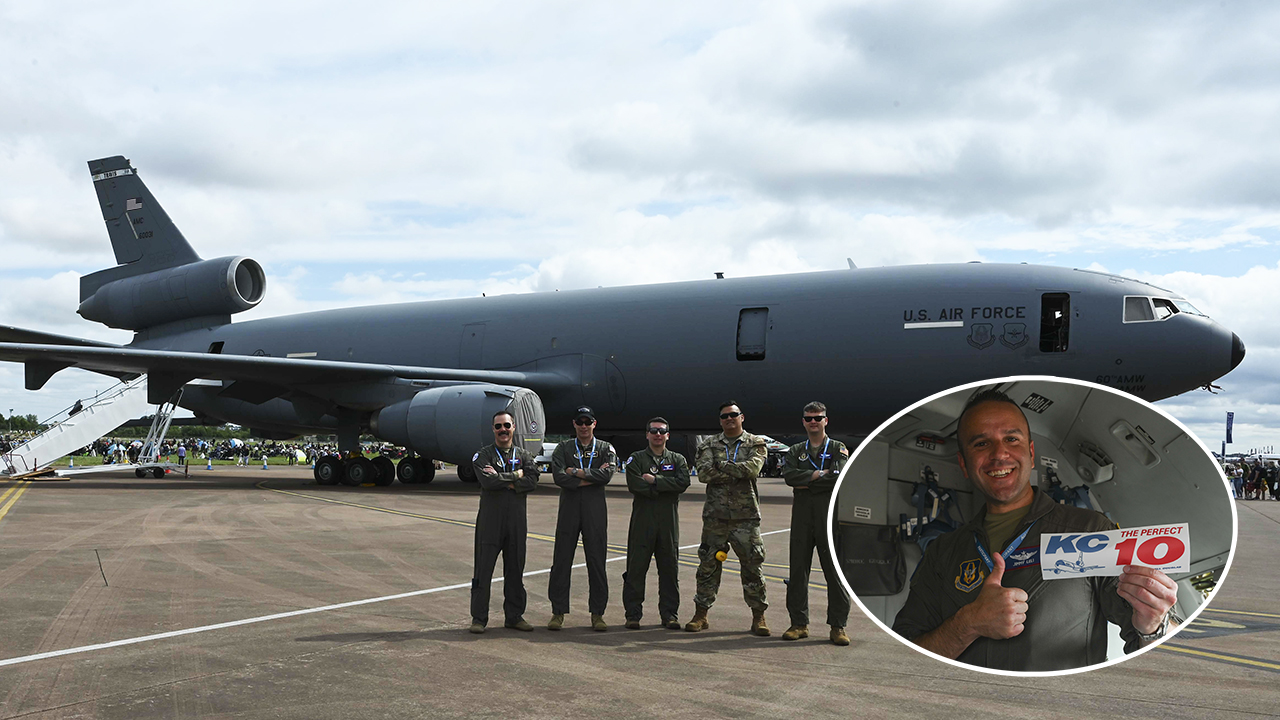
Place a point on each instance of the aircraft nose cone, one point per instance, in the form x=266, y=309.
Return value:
x=1237, y=350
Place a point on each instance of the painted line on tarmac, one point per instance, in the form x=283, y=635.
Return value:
x=1222, y=657
x=261, y=619
x=612, y=547
x=1242, y=612
x=294, y=613
x=16, y=491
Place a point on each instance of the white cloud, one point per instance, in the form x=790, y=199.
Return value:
x=549, y=146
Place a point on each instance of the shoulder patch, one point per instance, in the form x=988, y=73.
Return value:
x=844, y=451
x=628, y=461
x=475, y=457
x=970, y=577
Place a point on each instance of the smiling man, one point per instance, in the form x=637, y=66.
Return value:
x=978, y=595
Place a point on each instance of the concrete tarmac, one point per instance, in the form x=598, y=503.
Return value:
x=97, y=561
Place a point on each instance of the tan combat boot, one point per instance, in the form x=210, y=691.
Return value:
x=796, y=632
x=699, y=621
x=598, y=624
x=838, y=636
x=477, y=627
x=758, y=625
x=556, y=622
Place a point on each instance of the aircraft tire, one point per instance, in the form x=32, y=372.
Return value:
x=328, y=470
x=466, y=473
x=384, y=471
x=358, y=471
x=416, y=470
x=139, y=472
x=157, y=473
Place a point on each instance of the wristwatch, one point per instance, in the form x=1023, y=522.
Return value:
x=1159, y=633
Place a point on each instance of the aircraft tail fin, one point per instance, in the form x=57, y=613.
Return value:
x=142, y=235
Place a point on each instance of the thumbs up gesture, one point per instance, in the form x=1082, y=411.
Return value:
x=999, y=612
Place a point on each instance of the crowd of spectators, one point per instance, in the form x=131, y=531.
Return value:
x=1254, y=479
x=242, y=452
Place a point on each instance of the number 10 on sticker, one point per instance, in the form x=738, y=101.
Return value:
x=1066, y=555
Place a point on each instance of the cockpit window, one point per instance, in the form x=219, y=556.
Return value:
x=1138, y=309
x=1149, y=309
x=1187, y=307
x=1164, y=308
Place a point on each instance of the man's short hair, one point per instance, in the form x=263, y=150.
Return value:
x=505, y=412
x=815, y=407
x=989, y=395
x=658, y=419
x=730, y=403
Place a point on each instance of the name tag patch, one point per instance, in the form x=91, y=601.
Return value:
x=1023, y=557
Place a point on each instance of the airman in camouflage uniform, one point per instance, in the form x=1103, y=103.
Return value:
x=811, y=469
x=507, y=474
x=729, y=464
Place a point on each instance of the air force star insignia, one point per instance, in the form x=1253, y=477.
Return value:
x=970, y=576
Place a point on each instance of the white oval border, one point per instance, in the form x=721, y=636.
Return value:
x=835, y=494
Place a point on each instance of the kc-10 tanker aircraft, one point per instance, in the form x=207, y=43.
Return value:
x=430, y=375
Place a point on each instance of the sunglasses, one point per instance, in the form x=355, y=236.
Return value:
x=658, y=431
x=502, y=426
x=583, y=421
x=814, y=418
x=726, y=416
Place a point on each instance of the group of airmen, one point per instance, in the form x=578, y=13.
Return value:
x=728, y=463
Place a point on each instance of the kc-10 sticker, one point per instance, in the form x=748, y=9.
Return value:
x=1071, y=555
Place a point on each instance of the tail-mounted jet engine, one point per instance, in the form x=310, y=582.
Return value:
x=217, y=287
x=452, y=422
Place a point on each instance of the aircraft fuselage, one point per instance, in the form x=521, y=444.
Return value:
x=866, y=342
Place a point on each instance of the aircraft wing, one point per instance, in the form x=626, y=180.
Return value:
x=10, y=334
x=168, y=370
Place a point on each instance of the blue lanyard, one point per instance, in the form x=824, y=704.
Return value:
x=512, y=466
x=986, y=556
x=824, y=455
x=590, y=458
x=735, y=450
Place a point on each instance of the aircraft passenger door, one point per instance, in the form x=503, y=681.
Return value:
x=753, y=326
x=471, y=349
x=1055, y=322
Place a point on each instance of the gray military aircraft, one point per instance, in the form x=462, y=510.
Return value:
x=429, y=375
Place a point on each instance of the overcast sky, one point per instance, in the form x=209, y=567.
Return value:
x=403, y=152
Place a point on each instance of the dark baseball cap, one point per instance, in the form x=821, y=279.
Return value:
x=584, y=411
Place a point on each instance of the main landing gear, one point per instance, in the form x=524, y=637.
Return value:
x=355, y=470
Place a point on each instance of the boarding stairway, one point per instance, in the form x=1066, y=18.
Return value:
x=83, y=423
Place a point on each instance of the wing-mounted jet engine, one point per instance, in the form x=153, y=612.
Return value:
x=452, y=421
x=160, y=279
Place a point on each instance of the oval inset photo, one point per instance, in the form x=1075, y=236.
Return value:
x=1032, y=525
